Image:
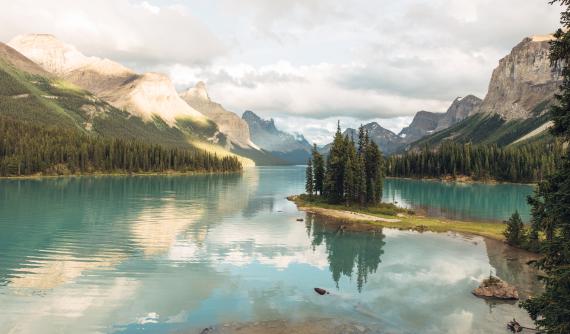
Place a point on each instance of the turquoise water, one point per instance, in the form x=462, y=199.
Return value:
x=477, y=201
x=164, y=254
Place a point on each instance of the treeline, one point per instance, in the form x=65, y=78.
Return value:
x=352, y=174
x=524, y=163
x=27, y=149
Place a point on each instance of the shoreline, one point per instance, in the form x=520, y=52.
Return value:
x=360, y=220
x=96, y=174
x=461, y=180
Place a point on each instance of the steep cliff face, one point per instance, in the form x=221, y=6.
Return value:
x=460, y=109
x=235, y=128
x=264, y=133
x=424, y=123
x=523, y=81
x=147, y=95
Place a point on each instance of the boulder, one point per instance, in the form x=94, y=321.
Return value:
x=493, y=287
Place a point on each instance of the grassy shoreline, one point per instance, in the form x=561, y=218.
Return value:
x=390, y=216
x=462, y=179
x=97, y=174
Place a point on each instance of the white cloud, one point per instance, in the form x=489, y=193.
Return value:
x=137, y=33
x=301, y=61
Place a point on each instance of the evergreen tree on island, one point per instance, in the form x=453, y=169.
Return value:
x=551, y=309
x=352, y=175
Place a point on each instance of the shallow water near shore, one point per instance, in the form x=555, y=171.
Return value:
x=164, y=254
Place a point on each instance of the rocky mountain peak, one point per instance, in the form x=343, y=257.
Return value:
x=228, y=122
x=460, y=109
x=522, y=80
x=255, y=121
x=61, y=58
x=154, y=94
x=293, y=148
x=49, y=52
x=198, y=92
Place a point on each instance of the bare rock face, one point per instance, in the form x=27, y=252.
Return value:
x=523, y=80
x=145, y=95
x=229, y=123
x=152, y=94
x=61, y=58
x=18, y=60
x=458, y=111
x=424, y=123
x=494, y=287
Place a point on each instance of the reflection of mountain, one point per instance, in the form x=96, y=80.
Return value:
x=109, y=217
x=348, y=251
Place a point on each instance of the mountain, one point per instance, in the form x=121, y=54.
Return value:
x=146, y=95
x=521, y=89
x=523, y=80
x=426, y=122
x=294, y=149
x=388, y=141
x=229, y=123
x=460, y=109
x=29, y=93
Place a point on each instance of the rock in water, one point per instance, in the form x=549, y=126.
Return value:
x=493, y=287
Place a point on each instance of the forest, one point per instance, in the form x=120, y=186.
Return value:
x=29, y=149
x=523, y=163
x=352, y=173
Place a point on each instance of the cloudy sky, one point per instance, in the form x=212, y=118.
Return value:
x=305, y=63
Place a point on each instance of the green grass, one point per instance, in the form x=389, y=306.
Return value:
x=408, y=220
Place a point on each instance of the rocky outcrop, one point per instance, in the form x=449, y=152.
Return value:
x=291, y=148
x=494, y=287
x=523, y=81
x=147, y=95
x=236, y=129
x=460, y=109
x=424, y=123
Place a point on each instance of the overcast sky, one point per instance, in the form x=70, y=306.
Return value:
x=305, y=63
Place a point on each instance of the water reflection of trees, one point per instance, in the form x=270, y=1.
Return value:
x=347, y=252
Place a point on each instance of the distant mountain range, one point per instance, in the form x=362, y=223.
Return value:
x=520, y=93
x=57, y=84
x=521, y=89
x=294, y=149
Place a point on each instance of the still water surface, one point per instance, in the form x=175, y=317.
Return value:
x=165, y=254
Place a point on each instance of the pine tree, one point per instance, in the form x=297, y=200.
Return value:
x=334, y=180
x=309, y=181
x=551, y=310
x=318, y=170
x=515, y=232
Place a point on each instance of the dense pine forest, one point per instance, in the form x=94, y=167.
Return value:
x=351, y=174
x=28, y=149
x=523, y=163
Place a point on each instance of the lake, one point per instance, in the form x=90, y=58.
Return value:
x=162, y=254
x=462, y=201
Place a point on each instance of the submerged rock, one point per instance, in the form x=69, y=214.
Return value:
x=494, y=287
